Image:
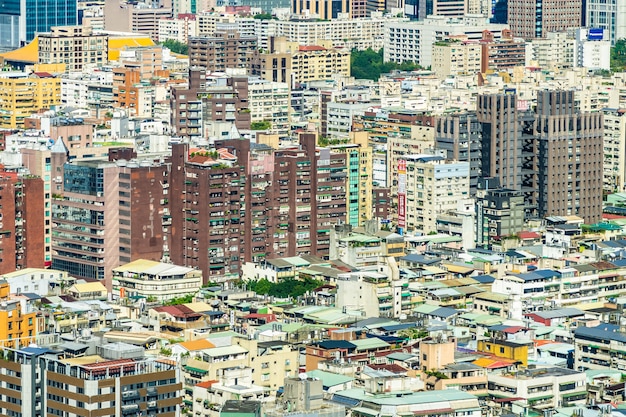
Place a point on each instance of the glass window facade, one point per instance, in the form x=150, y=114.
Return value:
x=41, y=15
x=83, y=179
x=9, y=30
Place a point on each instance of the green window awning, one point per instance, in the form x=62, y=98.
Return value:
x=195, y=370
x=545, y=397
x=574, y=394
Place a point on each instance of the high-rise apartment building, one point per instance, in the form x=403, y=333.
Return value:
x=226, y=49
x=22, y=94
x=614, y=150
x=74, y=46
x=569, y=158
x=218, y=98
x=21, y=222
x=186, y=104
x=309, y=197
x=501, y=139
x=136, y=17
x=324, y=9
x=530, y=19
x=206, y=199
x=460, y=135
x=553, y=155
x=109, y=213
x=433, y=186
x=291, y=198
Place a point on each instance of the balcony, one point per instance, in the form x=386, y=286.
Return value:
x=130, y=395
x=130, y=409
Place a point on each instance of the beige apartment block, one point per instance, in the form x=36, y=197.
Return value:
x=74, y=46
x=456, y=56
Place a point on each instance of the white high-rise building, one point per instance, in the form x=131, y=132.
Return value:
x=609, y=15
x=269, y=101
x=413, y=41
x=178, y=29
x=433, y=186
x=614, y=150
x=592, y=49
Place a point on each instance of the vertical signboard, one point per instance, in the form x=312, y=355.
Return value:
x=401, y=196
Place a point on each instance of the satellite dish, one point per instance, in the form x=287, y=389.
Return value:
x=302, y=376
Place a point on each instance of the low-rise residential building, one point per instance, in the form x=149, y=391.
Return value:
x=18, y=319
x=509, y=349
x=599, y=346
x=37, y=280
x=88, y=291
x=435, y=403
x=375, y=294
x=232, y=384
x=462, y=376
x=541, y=388
x=155, y=280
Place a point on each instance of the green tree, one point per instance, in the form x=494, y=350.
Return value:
x=185, y=299
x=263, y=286
x=618, y=56
x=287, y=288
x=176, y=47
x=369, y=65
x=262, y=125
x=264, y=16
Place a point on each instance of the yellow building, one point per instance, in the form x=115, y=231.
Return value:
x=505, y=349
x=117, y=42
x=293, y=63
x=22, y=94
x=365, y=175
x=17, y=328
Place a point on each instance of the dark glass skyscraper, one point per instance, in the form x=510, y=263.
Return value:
x=21, y=20
x=41, y=15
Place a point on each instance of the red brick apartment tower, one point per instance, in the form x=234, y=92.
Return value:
x=143, y=212
x=206, y=212
x=21, y=222
x=257, y=225
x=309, y=190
